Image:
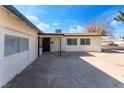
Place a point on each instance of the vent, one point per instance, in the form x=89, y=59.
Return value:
x=58, y=30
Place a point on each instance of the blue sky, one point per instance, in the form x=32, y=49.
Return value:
x=72, y=18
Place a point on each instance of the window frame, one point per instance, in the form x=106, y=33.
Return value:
x=85, y=41
x=14, y=42
x=72, y=41
x=24, y=44
x=11, y=42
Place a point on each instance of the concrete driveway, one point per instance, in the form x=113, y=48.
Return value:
x=72, y=70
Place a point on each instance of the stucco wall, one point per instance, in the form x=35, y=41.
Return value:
x=54, y=45
x=11, y=65
x=94, y=46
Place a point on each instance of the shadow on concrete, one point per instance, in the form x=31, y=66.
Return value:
x=70, y=54
x=112, y=51
x=68, y=71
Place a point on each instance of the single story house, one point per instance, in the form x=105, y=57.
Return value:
x=70, y=42
x=21, y=42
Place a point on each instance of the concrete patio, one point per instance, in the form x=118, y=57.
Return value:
x=68, y=71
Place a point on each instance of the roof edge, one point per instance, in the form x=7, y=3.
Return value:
x=13, y=10
x=64, y=34
x=51, y=34
x=83, y=35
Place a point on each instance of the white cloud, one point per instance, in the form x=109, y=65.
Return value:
x=43, y=26
x=117, y=28
x=56, y=24
x=114, y=22
x=77, y=29
x=32, y=18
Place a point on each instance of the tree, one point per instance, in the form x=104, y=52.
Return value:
x=120, y=17
x=96, y=28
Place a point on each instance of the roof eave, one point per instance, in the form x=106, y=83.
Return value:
x=84, y=35
x=51, y=34
x=13, y=10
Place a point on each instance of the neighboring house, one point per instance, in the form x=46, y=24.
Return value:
x=21, y=43
x=106, y=42
x=119, y=41
x=115, y=41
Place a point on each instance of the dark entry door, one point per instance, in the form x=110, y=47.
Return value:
x=46, y=44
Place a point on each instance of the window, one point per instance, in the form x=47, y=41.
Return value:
x=71, y=41
x=84, y=41
x=23, y=44
x=14, y=44
x=11, y=45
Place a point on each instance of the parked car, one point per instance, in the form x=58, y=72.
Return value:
x=113, y=44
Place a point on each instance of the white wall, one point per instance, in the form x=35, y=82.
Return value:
x=94, y=46
x=12, y=65
x=54, y=47
x=40, y=45
x=33, y=48
x=1, y=55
